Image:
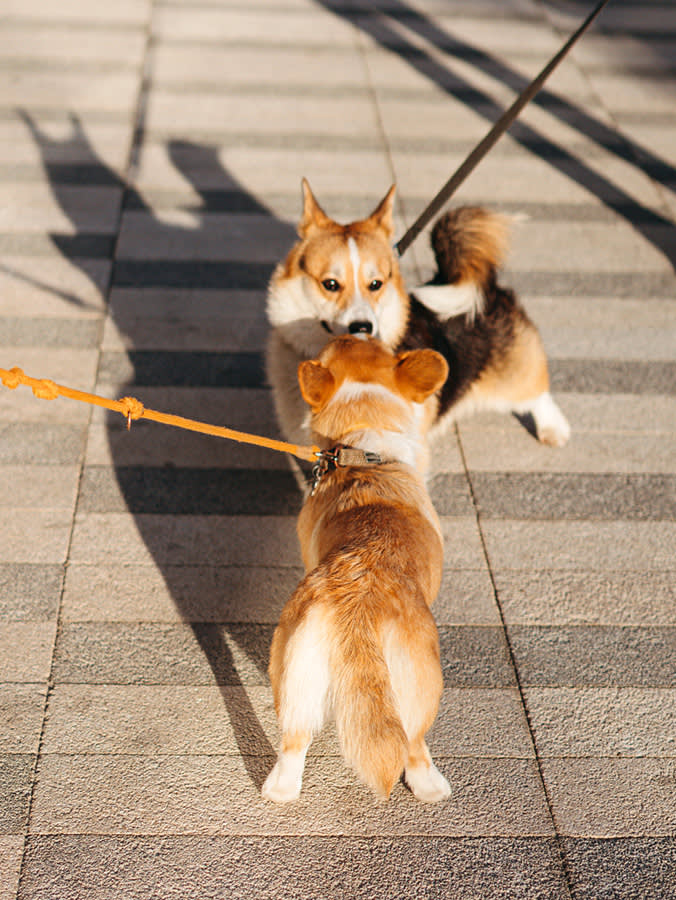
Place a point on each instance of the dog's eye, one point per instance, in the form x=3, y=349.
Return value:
x=330, y=284
x=375, y=285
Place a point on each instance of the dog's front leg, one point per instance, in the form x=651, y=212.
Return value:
x=284, y=782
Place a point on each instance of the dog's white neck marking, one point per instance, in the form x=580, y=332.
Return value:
x=402, y=445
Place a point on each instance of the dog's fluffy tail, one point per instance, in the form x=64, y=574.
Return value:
x=370, y=730
x=469, y=244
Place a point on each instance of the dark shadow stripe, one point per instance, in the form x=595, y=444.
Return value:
x=187, y=491
x=167, y=368
x=151, y=653
x=341, y=866
x=611, y=376
x=594, y=656
x=217, y=201
x=559, y=497
x=630, y=868
x=172, y=274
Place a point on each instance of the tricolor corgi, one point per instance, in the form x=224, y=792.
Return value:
x=345, y=278
x=357, y=638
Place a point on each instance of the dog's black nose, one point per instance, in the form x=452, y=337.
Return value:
x=360, y=327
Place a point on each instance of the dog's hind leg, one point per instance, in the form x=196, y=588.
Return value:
x=415, y=672
x=286, y=778
x=299, y=673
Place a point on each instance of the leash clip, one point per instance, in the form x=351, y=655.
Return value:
x=338, y=458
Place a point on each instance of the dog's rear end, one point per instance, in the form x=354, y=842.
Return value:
x=358, y=637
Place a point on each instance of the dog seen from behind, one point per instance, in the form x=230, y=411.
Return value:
x=341, y=279
x=357, y=638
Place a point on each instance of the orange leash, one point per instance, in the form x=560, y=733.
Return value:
x=133, y=409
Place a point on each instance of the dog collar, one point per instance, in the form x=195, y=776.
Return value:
x=340, y=457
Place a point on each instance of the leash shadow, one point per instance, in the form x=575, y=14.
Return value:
x=387, y=27
x=235, y=649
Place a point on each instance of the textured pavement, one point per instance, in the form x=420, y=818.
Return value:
x=150, y=163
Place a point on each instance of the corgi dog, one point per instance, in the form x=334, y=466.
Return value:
x=345, y=279
x=357, y=638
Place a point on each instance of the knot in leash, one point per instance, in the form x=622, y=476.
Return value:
x=131, y=409
x=12, y=378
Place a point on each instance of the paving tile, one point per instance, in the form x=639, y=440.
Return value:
x=16, y=774
x=126, y=13
x=194, y=368
x=611, y=797
x=603, y=722
x=598, y=496
x=255, y=238
x=599, y=656
x=186, y=320
x=180, y=795
x=22, y=332
x=35, y=535
x=116, y=593
x=11, y=849
x=111, y=91
x=185, y=540
x=580, y=545
x=194, y=491
x=474, y=656
x=634, y=868
x=466, y=597
x=35, y=487
x=61, y=288
x=513, y=449
x=586, y=598
x=33, y=208
x=236, y=27
x=29, y=591
x=203, y=654
x=263, y=115
x=582, y=328
x=21, y=712
x=41, y=44
x=26, y=651
x=621, y=413
x=613, y=376
x=373, y=868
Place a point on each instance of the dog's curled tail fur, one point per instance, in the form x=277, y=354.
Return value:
x=469, y=244
x=370, y=730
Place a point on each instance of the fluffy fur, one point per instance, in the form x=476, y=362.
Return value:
x=345, y=278
x=357, y=637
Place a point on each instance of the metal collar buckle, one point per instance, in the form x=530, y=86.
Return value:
x=338, y=458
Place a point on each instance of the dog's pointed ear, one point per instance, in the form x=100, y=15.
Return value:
x=419, y=373
x=382, y=215
x=316, y=383
x=314, y=216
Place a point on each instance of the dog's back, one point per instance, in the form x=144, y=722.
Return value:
x=358, y=635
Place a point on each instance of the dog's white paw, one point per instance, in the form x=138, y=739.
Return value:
x=427, y=783
x=282, y=786
x=551, y=426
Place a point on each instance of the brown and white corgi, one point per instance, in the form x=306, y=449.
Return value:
x=345, y=278
x=357, y=637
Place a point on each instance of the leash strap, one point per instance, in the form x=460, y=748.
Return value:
x=133, y=409
x=492, y=137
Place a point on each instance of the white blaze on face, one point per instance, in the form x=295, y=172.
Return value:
x=359, y=309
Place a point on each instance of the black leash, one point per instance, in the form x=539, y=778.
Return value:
x=492, y=137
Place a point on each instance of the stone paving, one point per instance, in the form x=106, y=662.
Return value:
x=151, y=153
